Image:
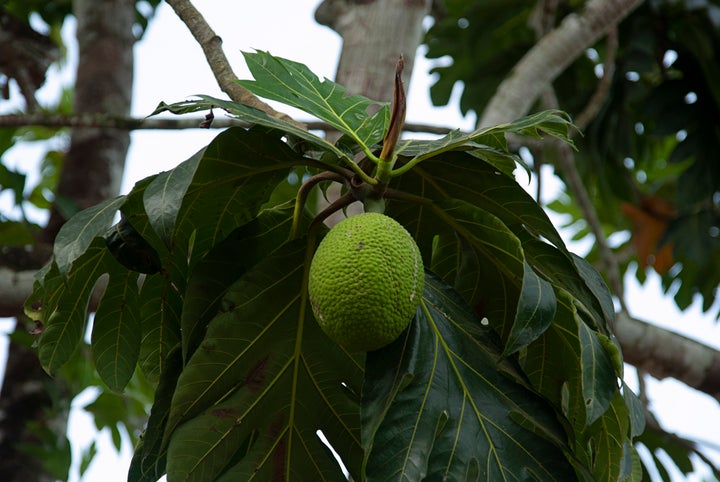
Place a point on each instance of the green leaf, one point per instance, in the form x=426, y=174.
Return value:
x=460, y=175
x=489, y=142
x=116, y=331
x=597, y=285
x=535, y=311
x=441, y=404
x=214, y=274
x=499, y=258
x=606, y=438
x=552, y=363
x=149, y=460
x=67, y=304
x=295, y=85
x=15, y=233
x=571, y=274
x=253, y=116
x=160, y=308
x=636, y=410
x=600, y=383
x=14, y=181
x=130, y=249
x=237, y=173
x=264, y=380
x=76, y=235
x=163, y=197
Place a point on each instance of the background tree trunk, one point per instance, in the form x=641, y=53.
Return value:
x=92, y=172
x=375, y=34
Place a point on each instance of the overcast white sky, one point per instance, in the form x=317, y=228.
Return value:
x=170, y=67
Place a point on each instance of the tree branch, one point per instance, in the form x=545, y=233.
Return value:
x=663, y=353
x=550, y=56
x=167, y=123
x=211, y=45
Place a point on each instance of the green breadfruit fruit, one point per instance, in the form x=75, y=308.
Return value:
x=366, y=281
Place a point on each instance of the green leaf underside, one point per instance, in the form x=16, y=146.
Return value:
x=116, y=331
x=160, y=321
x=262, y=382
x=76, y=235
x=66, y=304
x=439, y=403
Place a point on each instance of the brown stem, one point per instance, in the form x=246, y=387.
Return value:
x=211, y=45
x=343, y=201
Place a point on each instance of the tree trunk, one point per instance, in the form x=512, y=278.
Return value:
x=32, y=404
x=375, y=33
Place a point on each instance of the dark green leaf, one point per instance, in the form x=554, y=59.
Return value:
x=635, y=409
x=161, y=304
x=600, y=383
x=606, y=439
x=264, y=380
x=463, y=176
x=116, y=331
x=535, y=311
x=76, y=235
x=164, y=195
x=130, y=249
x=14, y=181
x=440, y=403
x=237, y=174
x=66, y=305
x=212, y=276
x=149, y=460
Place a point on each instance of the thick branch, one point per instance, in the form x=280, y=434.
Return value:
x=550, y=56
x=662, y=354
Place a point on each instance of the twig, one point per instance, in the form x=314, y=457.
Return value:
x=602, y=90
x=211, y=45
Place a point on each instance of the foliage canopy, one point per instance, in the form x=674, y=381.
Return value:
x=509, y=369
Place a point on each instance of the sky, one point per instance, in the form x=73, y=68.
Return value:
x=170, y=67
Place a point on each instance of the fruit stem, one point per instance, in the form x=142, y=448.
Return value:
x=304, y=191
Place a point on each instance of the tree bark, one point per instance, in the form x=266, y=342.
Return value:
x=375, y=33
x=662, y=353
x=550, y=56
x=93, y=166
x=92, y=172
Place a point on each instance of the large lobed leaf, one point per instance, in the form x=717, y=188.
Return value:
x=252, y=397
x=295, y=85
x=441, y=403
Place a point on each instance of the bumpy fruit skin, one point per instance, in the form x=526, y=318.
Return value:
x=366, y=281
